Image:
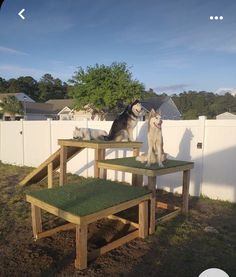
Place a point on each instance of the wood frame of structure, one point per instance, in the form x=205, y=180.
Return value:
x=152, y=179
x=140, y=229
x=100, y=153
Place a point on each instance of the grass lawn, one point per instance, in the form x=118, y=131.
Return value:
x=181, y=247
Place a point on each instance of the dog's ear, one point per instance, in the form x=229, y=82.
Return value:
x=152, y=113
x=136, y=101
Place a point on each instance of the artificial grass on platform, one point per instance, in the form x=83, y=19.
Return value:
x=105, y=142
x=89, y=196
x=131, y=162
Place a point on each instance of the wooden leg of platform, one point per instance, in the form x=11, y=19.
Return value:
x=81, y=247
x=36, y=220
x=63, y=160
x=152, y=187
x=99, y=154
x=143, y=219
x=185, y=192
x=102, y=171
x=50, y=175
x=137, y=180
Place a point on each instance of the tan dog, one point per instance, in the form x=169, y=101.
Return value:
x=155, y=141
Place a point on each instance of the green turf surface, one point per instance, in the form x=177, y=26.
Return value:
x=89, y=196
x=105, y=142
x=131, y=162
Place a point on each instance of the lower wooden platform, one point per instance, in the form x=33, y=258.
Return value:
x=85, y=203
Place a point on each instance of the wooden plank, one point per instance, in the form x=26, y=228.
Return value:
x=168, y=216
x=36, y=220
x=63, y=160
x=99, y=154
x=81, y=246
x=144, y=171
x=50, y=175
x=152, y=184
x=185, y=192
x=97, y=145
x=123, y=220
x=53, y=210
x=113, y=245
x=55, y=230
x=143, y=219
x=152, y=215
x=166, y=206
x=39, y=173
x=102, y=171
x=113, y=210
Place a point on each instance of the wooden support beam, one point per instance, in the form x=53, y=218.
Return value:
x=143, y=219
x=168, y=216
x=102, y=171
x=123, y=220
x=185, y=192
x=63, y=160
x=137, y=180
x=166, y=206
x=81, y=246
x=36, y=220
x=50, y=175
x=113, y=245
x=55, y=230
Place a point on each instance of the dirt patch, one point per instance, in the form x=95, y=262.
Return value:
x=179, y=247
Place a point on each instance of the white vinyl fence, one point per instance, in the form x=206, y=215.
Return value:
x=29, y=143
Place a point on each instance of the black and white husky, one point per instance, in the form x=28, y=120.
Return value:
x=123, y=126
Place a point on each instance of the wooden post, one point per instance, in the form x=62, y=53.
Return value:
x=36, y=220
x=143, y=219
x=137, y=180
x=103, y=171
x=81, y=246
x=96, y=158
x=152, y=187
x=63, y=160
x=185, y=192
x=50, y=175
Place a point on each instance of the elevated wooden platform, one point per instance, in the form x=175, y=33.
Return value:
x=85, y=203
x=48, y=166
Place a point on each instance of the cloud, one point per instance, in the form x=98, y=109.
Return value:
x=11, y=51
x=171, y=88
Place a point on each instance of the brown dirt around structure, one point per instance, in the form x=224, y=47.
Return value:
x=181, y=247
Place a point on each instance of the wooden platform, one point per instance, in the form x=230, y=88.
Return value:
x=131, y=165
x=99, y=152
x=86, y=202
x=139, y=169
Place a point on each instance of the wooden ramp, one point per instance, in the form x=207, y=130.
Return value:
x=53, y=162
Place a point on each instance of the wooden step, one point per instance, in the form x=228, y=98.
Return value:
x=39, y=173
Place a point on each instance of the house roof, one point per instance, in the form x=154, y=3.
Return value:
x=20, y=96
x=59, y=104
x=38, y=108
x=154, y=102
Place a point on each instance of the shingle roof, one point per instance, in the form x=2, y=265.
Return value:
x=59, y=104
x=38, y=108
x=154, y=102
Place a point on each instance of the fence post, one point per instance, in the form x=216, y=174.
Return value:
x=202, y=121
x=23, y=141
x=50, y=134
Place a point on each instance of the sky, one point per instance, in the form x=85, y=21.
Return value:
x=170, y=45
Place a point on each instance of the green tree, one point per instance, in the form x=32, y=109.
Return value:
x=102, y=88
x=11, y=106
x=50, y=88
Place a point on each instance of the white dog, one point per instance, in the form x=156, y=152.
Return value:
x=155, y=141
x=89, y=134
